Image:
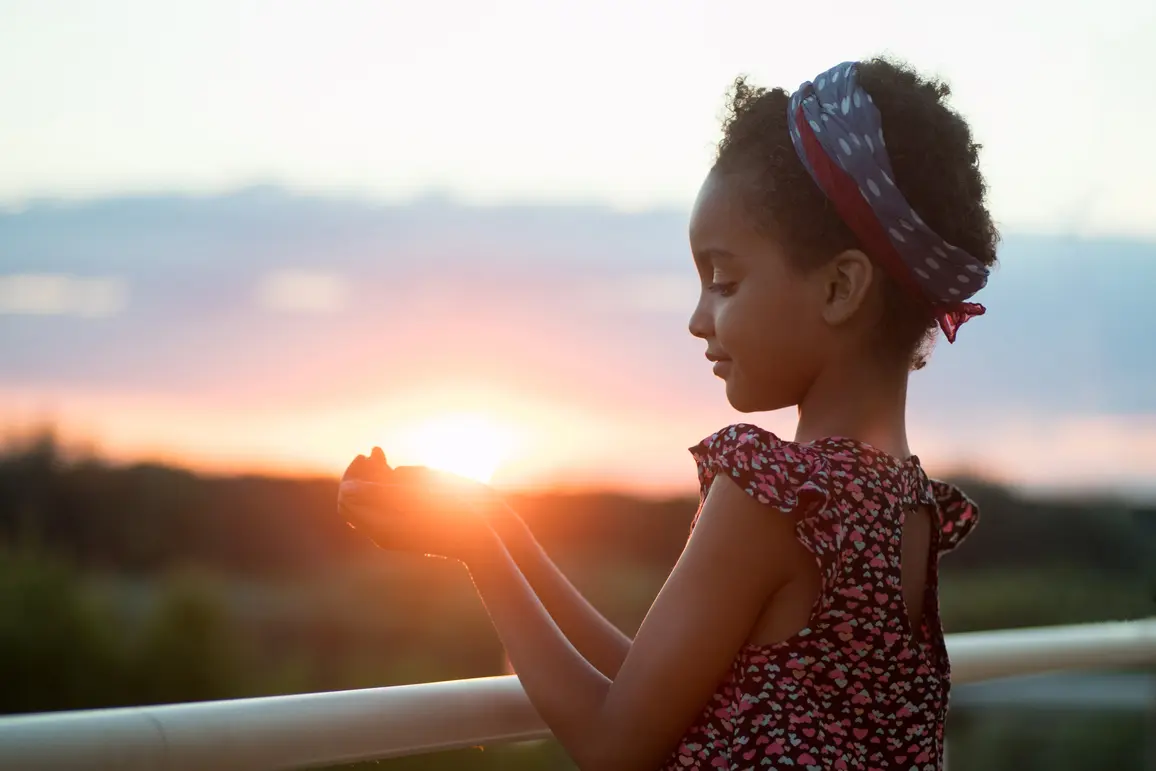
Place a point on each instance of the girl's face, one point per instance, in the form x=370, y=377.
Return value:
x=761, y=317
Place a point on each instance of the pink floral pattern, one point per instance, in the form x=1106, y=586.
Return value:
x=855, y=690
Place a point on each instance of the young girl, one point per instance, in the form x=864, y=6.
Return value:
x=839, y=229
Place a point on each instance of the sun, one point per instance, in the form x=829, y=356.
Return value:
x=470, y=445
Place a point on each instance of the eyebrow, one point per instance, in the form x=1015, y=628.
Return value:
x=716, y=254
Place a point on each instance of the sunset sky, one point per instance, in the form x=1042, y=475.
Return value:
x=473, y=228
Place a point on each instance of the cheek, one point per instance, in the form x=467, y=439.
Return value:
x=730, y=324
x=752, y=323
x=769, y=334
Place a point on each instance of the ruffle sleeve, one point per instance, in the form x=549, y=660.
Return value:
x=957, y=514
x=784, y=476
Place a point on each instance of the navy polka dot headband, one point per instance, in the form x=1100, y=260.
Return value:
x=838, y=135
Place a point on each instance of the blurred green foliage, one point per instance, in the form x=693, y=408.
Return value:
x=146, y=585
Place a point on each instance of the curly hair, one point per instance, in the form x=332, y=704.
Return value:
x=936, y=165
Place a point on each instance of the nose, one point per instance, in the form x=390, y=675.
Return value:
x=702, y=321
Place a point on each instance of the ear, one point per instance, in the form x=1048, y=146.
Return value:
x=847, y=282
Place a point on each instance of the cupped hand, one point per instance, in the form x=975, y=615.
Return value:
x=417, y=509
x=373, y=468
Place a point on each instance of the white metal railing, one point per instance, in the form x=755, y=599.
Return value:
x=319, y=729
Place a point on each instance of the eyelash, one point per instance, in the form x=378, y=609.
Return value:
x=722, y=288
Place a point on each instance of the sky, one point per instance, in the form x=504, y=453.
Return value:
x=601, y=100
x=203, y=205
x=264, y=330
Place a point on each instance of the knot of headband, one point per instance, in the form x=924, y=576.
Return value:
x=838, y=135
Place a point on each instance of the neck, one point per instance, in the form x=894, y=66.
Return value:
x=861, y=400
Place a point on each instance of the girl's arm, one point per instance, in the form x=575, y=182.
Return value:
x=738, y=555
x=599, y=641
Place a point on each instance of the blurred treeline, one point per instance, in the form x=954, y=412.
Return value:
x=146, y=584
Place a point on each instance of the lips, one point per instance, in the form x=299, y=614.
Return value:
x=722, y=364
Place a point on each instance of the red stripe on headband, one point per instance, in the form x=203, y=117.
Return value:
x=842, y=191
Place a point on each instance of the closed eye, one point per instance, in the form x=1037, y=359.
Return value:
x=722, y=288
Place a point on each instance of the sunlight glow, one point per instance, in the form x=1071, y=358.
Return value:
x=470, y=445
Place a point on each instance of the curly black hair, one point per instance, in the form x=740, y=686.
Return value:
x=936, y=165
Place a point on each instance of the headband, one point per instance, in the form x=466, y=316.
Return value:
x=838, y=135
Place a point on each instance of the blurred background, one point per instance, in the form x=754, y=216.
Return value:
x=241, y=242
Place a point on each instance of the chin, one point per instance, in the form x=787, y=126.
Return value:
x=748, y=400
x=741, y=400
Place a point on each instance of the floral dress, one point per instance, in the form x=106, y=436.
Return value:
x=855, y=689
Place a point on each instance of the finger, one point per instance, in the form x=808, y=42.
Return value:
x=361, y=490
x=369, y=469
x=357, y=468
x=380, y=466
x=371, y=500
x=413, y=475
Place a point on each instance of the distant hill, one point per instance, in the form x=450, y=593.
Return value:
x=149, y=518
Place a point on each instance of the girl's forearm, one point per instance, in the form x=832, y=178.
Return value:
x=566, y=689
x=599, y=641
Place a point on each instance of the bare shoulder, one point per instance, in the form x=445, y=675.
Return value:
x=742, y=541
